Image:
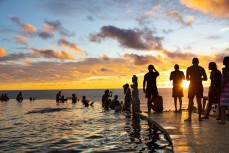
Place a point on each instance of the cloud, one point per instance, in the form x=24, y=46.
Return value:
x=177, y=17
x=48, y=53
x=64, y=43
x=105, y=57
x=15, y=57
x=15, y=19
x=21, y=39
x=141, y=60
x=53, y=26
x=2, y=52
x=104, y=70
x=28, y=62
x=29, y=28
x=129, y=38
x=213, y=37
x=216, y=8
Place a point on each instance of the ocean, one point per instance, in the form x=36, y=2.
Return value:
x=96, y=95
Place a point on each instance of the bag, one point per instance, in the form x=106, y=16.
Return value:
x=158, y=104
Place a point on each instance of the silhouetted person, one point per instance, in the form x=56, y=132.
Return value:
x=86, y=102
x=58, y=96
x=196, y=74
x=105, y=99
x=19, y=97
x=62, y=99
x=177, y=76
x=214, y=89
x=114, y=102
x=74, y=98
x=128, y=98
x=224, y=97
x=151, y=86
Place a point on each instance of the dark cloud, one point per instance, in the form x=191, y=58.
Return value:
x=142, y=60
x=167, y=31
x=179, y=54
x=15, y=57
x=104, y=70
x=16, y=19
x=48, y=53
x=72, y=46
x=45, y=35
x=90, y=18
x=129, y=38
x=214, y=37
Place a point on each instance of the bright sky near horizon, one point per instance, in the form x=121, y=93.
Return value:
x=92, y=44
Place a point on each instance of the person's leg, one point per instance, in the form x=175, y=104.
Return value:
x=190, y=107
x=208, y=109
x=204, y=104
x=180, y=102
x=175, y=103
x=149, y=102
x=223, y=115
x=199, y=107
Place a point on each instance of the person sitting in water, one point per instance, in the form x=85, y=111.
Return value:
x=74, y=98
x=105, y=99
x=19, y=97
x=58, y=96
x=86, y=102
x=114, y=102
x=62, y=99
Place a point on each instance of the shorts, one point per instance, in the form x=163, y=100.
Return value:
x=151, y=93
x=195, y=90
x=177, y=91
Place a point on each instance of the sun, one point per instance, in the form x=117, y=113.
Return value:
x=185, y=83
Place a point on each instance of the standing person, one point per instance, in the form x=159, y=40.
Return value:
x=151, y=87
x=127, y=101
x=196, y=74
x=105, y=99
x=177, y=76
x=224, y=97
x=214, y=89
x=58, y=96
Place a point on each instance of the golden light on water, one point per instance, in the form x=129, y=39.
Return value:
x=185, y=83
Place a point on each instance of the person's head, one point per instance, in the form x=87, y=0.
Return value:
x=150, y=67
x=195, y=61
x=73, y=95
x=116, y=96
x=84, y=97
x=107, y=91
x=226, y=61
x=176, y=67
x=212, y=66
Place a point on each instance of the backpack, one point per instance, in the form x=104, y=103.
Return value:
x=158, y=104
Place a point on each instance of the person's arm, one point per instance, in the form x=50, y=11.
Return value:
x=204, y=78
x=187, y=74
x=156, y=71
x=144, y=83
x=183, y=77
x=171, y=76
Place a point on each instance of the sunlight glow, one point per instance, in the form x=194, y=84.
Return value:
x=185, y=83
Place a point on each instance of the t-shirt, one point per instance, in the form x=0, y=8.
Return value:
x=150, y=78
x=177, y=77
x=194, y=74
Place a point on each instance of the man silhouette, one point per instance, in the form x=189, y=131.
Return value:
x=177, y=76
x=196, y=74
x=151, y=87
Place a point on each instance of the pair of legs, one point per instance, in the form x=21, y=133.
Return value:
x=175, y=103
x=190, y=108
x=223, y=114
x=151, y=95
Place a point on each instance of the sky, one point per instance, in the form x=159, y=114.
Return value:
x=101, y=44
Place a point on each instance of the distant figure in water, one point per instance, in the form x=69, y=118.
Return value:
x=214, y=89
x=127, y=101
x=177, y=76
x=58, y=96
x=195, y=74
x=62, y=99
x=32, y=99
x=105, y=99
x=19, y=97
x=74, y=98
x=115, y=104
x=86, y=102
x=4, y=97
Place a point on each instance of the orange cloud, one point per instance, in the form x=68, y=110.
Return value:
x=216, y=8
x=28, y=62
x=21, y=39
x=28, y=28
x=64, y=43
x=2, y=52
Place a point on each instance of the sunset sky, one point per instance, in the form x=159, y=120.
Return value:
x=87, y=44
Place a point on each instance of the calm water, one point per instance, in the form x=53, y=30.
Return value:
x=96, y=95
x=74, y=129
